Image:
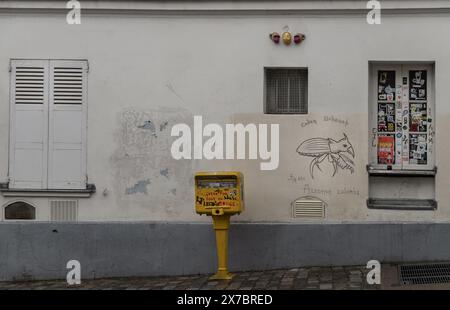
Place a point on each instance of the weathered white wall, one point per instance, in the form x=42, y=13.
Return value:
x=168, y=68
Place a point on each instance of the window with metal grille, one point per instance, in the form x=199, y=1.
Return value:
x=20, y=211
x=286, y=91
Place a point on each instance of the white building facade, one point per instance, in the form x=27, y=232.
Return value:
x=87, y=112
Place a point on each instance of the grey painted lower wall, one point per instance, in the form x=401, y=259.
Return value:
x=41, y=250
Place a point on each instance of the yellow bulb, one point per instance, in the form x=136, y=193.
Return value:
x=287, y=37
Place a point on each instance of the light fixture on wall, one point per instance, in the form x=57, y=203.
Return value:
x=298, y=38
x=287, y=37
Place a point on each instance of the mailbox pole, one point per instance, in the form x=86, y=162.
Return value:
x=219, y=194
x=221, y=225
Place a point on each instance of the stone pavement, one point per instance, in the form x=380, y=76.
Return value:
x=323, y=278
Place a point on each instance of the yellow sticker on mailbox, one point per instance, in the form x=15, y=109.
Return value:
x=218, y=197
x=218, y=190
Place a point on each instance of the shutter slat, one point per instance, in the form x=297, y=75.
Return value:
x=29, y=85
x=68, y=85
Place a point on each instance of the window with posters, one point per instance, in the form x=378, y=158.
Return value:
x=402, y=112
x=401, y=143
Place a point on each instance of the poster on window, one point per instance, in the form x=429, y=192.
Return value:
x=418, y=117
x=386, y=152
x=386, y=85
x=418, y=149
x=418, y=85
x=386, y=117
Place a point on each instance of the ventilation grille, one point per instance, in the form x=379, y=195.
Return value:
x=64, y=210
x=29, y=85
x=434, y=273
x=287, y=91
x=308, y=207
x=68, y=85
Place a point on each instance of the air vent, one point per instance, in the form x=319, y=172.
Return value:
x=433, y=273
x=64, y=210
x=308, y=207
x=68, y=85
x=29, y=85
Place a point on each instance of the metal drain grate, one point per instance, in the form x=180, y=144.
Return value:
x=424, y=273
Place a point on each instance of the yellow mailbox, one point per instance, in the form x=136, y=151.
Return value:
x=220, y=195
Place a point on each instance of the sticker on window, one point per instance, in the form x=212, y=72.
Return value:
x=386, y=85
x=418, y=149
x=386, y=117
x=418, y=117
x=418, y=85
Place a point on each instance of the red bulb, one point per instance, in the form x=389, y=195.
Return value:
x=298, y=38
x=275, y=37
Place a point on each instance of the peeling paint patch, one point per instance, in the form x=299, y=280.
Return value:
x=140, y=157
x=164, y=172
x=163, y=126
x=139, y=187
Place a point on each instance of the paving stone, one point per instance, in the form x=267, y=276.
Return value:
x=335, y=277
x=325, y=278
x=326, y=286
x=340, y=286
x=213, y=282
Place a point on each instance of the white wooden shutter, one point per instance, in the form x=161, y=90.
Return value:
x=29, y=124
x=67, y=125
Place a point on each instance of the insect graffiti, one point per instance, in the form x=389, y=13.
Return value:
x=327, y=148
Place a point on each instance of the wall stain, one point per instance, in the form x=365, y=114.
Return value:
x=172, y=90
x=163, y=126
x=148, y=125
x=164, y=172
x=139, y=187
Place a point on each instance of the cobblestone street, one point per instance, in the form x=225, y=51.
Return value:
x=323, y=278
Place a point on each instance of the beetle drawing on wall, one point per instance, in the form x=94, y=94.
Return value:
x=338, y=153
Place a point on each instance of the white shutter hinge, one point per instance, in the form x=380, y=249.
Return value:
x=87, y=68
x=10, y=68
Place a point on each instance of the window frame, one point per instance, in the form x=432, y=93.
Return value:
x=47, y=106
x=8, y=203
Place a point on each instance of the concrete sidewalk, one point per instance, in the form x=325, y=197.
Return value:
x=309, y=278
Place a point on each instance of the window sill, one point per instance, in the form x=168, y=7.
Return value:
x=76, y=193
x=402, y=204
x=401, y=173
